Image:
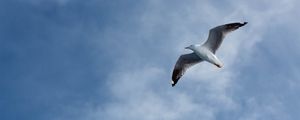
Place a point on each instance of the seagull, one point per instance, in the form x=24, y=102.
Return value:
x=204, y=52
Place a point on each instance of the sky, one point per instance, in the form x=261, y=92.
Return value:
x=113, y=60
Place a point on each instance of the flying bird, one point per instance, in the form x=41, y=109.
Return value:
x=204, y=52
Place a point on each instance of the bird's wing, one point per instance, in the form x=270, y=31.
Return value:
x=183, y=63
x=217, y=34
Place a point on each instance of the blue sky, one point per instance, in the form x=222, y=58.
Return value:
x=112, y=60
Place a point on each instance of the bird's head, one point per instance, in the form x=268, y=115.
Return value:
x=192, y=47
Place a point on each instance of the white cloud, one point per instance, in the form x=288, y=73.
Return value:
x=273, y=109
x=137, y=96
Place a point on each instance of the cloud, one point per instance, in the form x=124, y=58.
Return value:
x=137, y=95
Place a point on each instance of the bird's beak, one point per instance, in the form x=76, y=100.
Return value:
x=187, y=48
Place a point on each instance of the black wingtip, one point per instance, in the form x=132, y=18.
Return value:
x=173, y=83
x=244, y=23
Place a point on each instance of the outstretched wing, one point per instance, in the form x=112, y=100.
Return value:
x=217, y=34
x=183, y=63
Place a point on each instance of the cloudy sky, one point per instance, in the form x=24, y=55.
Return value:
x=113, y=59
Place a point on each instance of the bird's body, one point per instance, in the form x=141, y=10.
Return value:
x=205, y=52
